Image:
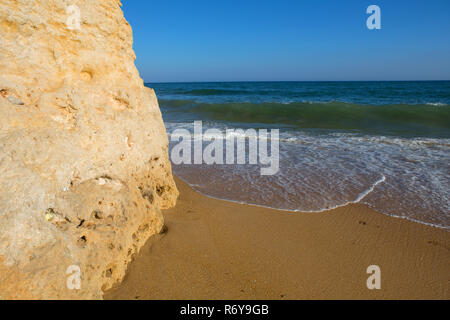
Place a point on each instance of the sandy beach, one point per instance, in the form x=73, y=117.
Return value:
x=214, y=249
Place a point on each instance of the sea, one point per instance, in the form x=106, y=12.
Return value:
x=382, y=144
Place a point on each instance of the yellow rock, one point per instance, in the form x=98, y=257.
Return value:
x=73, y=112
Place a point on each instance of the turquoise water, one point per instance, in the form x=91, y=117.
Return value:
x=384, y=144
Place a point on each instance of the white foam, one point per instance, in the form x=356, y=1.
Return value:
x=332, y=170
x=366, y=193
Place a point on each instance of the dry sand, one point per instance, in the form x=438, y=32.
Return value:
x=215, y=249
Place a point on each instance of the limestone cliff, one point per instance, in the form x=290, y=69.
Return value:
x=84, y=167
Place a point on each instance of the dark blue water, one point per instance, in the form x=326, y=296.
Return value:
x=384, y=144
x=366, y=93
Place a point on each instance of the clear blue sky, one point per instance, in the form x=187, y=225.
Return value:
x=261, y=40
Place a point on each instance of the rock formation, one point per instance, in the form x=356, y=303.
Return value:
x=84, y=167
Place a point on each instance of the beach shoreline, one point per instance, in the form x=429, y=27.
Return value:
x=214, y=249
x=382, y=144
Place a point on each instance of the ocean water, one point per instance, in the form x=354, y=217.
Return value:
x=383, y=144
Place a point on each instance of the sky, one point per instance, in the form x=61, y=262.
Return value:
x=289, y=40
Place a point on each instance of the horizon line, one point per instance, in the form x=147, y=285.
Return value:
x=260, y=81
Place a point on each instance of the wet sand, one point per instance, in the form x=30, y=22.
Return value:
x=214, y=249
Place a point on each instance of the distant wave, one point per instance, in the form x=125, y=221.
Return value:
x=176, y=103
x=243, y=92
x=421, y=119
x=214, y=92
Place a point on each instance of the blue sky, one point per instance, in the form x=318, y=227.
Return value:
x=288, y=40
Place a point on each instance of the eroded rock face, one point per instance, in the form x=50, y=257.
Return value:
x=84, y=167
